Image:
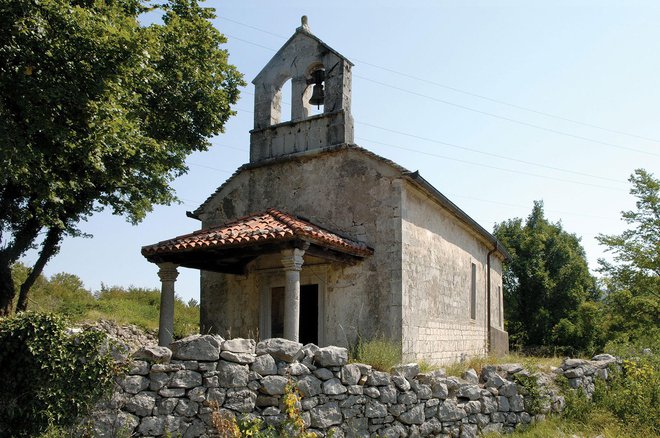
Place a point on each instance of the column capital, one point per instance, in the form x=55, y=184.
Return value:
x=168, y=271
x=292, y=259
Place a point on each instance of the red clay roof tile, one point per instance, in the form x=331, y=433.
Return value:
x=271, y=225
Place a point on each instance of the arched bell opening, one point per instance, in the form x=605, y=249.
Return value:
x=313, y=98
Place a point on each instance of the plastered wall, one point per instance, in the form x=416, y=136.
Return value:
x=437, y=255
x=348, y=192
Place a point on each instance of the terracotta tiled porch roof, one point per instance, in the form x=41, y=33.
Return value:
x=266, y=227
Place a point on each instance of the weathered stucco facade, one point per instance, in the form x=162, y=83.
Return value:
x=418, y=271
x=345, y=190
x=415, y=288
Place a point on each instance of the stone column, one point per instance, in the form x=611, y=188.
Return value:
x=292, y=260
x=168, y=274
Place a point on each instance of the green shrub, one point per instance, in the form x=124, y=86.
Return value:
x=535, y=397
x=49, y=378
x=380, y=353
x=633, y=394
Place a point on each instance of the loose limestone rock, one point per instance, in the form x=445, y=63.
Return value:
x=242, y=358
x=309, y=386
x=331, y=356
x=326, y=415
x=472, y=392
x=232, y=375
x=408, y=371
x=471, y=376
x=264, y=365
x=413, y=416
x=153, y=354
x=333, y=387
x=379, y=378
x=152, y=426
x=240, y=400
x=324, y=374
x=141, y=404
x=273, y=385
x=134, y=384
x=281, y=349
x=350, y=374
x=439, y=390
x=374, y=409
x=196, y=347
x=185, y=379
x=450, y=411
x=239, y=345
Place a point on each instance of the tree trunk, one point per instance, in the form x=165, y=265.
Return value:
x=22, y=240
x=49, y=248
x=7, y=291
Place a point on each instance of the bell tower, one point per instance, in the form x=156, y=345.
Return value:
x=320, y=76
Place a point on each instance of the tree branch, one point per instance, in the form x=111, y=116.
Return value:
x=49, y=247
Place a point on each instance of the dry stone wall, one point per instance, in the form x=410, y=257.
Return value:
x=175, y=391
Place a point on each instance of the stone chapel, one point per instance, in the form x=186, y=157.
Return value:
x=319, y=240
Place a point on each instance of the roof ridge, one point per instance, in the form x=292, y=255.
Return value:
x=288, y=220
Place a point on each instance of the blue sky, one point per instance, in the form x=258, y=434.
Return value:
x=496, y=103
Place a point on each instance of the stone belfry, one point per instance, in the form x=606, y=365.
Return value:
x=317, y=73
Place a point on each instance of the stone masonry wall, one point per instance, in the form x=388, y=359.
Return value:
x=438, y=252
x=171, y=392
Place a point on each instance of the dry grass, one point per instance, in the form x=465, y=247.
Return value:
x=529, y=362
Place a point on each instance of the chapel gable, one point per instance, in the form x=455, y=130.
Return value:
x=320, y=77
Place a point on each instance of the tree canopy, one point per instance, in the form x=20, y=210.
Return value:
x=632, y=278
x=546, y=280
x=98, y=111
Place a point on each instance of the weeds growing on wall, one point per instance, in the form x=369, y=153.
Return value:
x=227, y=425
x=535, y=397
x=49, y=378
x=631, y=395
x=380, y=353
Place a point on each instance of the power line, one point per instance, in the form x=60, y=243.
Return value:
x=508, y=119
x=494, y=155
x=526, y=207
x=486, y=113
x=512, y=105
x=479, y=152
x=209, y=167
x=519, y=172
x=455, y=89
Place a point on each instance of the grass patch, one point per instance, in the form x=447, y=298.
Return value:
x=65, y=294
x=597, y=423
x=380, y=353
x=477, y=363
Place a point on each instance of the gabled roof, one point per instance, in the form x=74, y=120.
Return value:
x=271, y=226
x=302, y=30
x=413, y=177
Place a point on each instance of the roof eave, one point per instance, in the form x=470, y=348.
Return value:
x=416, y=178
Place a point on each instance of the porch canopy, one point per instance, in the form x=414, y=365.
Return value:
x=230, y=247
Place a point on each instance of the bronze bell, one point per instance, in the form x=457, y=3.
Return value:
x=318, y=96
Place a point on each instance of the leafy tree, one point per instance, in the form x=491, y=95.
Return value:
x=632, y=279
x=49, y=377
x=546, y=280
x=98, y=111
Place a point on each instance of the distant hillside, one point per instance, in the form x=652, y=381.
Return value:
x=65, y=294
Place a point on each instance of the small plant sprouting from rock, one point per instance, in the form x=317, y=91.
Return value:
x=294, y=422
x=535, y=398
x=226, y=424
